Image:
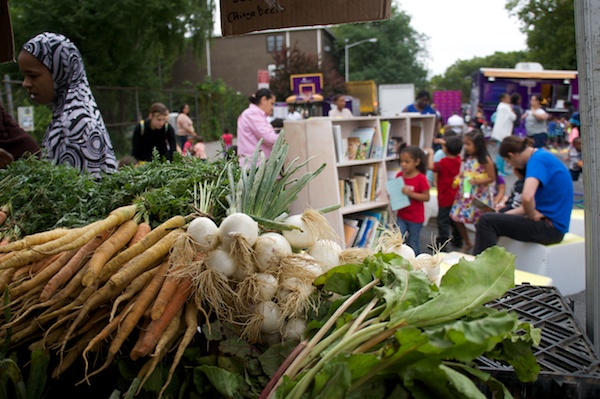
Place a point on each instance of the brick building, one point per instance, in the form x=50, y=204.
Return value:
x=237, y=59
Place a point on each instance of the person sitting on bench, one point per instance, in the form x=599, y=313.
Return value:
x=547, y=199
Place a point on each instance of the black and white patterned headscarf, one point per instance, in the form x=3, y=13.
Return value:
x=77, y=134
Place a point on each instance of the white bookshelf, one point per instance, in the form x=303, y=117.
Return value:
x=314, y=138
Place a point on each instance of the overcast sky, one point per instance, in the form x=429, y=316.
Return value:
x=463, y=29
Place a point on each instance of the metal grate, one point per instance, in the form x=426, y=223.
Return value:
x=564, y=347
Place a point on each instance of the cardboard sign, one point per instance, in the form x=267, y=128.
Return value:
x=243, y=16
x=7, y=46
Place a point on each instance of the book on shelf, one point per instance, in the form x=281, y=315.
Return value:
x=384, y=126
x=340, y=149
x=393, y=145
x=398, y=200
x=350, y=231
x=365, y=135
x=361, y=184
x=368, y=172
x=375, y=183
x=353, y=147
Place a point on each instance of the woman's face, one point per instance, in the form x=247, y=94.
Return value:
x=37, y=79
x=266, y=104
x=186, y=109
x=534, y=102
x=341, y=103
x=157, y=121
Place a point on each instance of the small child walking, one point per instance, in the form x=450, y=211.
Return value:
x=446, y=170
x=474, y=181
x=410, y=219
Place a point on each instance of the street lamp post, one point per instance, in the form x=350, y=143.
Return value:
x=347, y=46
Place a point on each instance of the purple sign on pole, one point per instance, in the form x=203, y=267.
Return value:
x=306, y=83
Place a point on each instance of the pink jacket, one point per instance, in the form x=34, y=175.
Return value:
x=252, y=125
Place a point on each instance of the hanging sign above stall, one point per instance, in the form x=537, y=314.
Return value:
x=244, y=16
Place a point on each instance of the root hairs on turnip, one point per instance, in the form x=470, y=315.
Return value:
x=354, y=255
x=214, y=291
x=258, y=287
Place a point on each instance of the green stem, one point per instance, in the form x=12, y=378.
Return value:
x=346, y=344
x=294, y=368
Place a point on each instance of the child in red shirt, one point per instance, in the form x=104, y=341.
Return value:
x=447, y=169
x=416, y=187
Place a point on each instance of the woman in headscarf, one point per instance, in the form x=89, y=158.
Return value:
x=53, y=72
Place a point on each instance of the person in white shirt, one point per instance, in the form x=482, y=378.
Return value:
x=457, y=124
x=505, y=118
x=340, y=110
x=293, y=115
x=503, y=127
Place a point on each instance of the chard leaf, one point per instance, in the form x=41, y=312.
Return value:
x=236, y=346
x=466, y=340
x=342, y=280
x=225, y=382
x=360, y=364
x=466, y=286
x=462, y=384
x=516, y=350
x=497, y=388
x=275, y=355
x=333, y=381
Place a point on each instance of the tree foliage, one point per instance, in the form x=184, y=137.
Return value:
x=396, y=57
x=123, y=43
x=459, y=76
x=550, y=29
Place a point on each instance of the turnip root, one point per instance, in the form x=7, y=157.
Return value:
x=269, y=248
x=258, y=287
x=391, y=240
x=313, y=226
x=294, y=329
x=238, y=232
x=327, y=252
x=204, y=232
x=266, y=319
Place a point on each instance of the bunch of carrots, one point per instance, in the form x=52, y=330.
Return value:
x=75, y=290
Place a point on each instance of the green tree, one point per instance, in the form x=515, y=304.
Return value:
x=550, y=29
x=459, y=76
x=123, y=43
x=394, y=58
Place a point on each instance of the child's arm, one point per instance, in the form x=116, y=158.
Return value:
x=501, y=190
x=489, y=171
x=421, y=197
x=430, y=163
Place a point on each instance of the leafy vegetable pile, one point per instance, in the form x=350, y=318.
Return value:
x=40, y=196
x=114, y=292
x=396, y=335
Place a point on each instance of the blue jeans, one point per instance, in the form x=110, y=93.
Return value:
x=414, y=232
x=539, y=140
x=181, y=141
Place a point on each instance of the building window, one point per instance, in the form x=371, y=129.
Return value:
x=274, y=43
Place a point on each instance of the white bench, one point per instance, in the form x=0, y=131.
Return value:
x=577, y=224
x=563, y=262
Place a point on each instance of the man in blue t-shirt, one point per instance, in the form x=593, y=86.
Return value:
x=547, y=199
